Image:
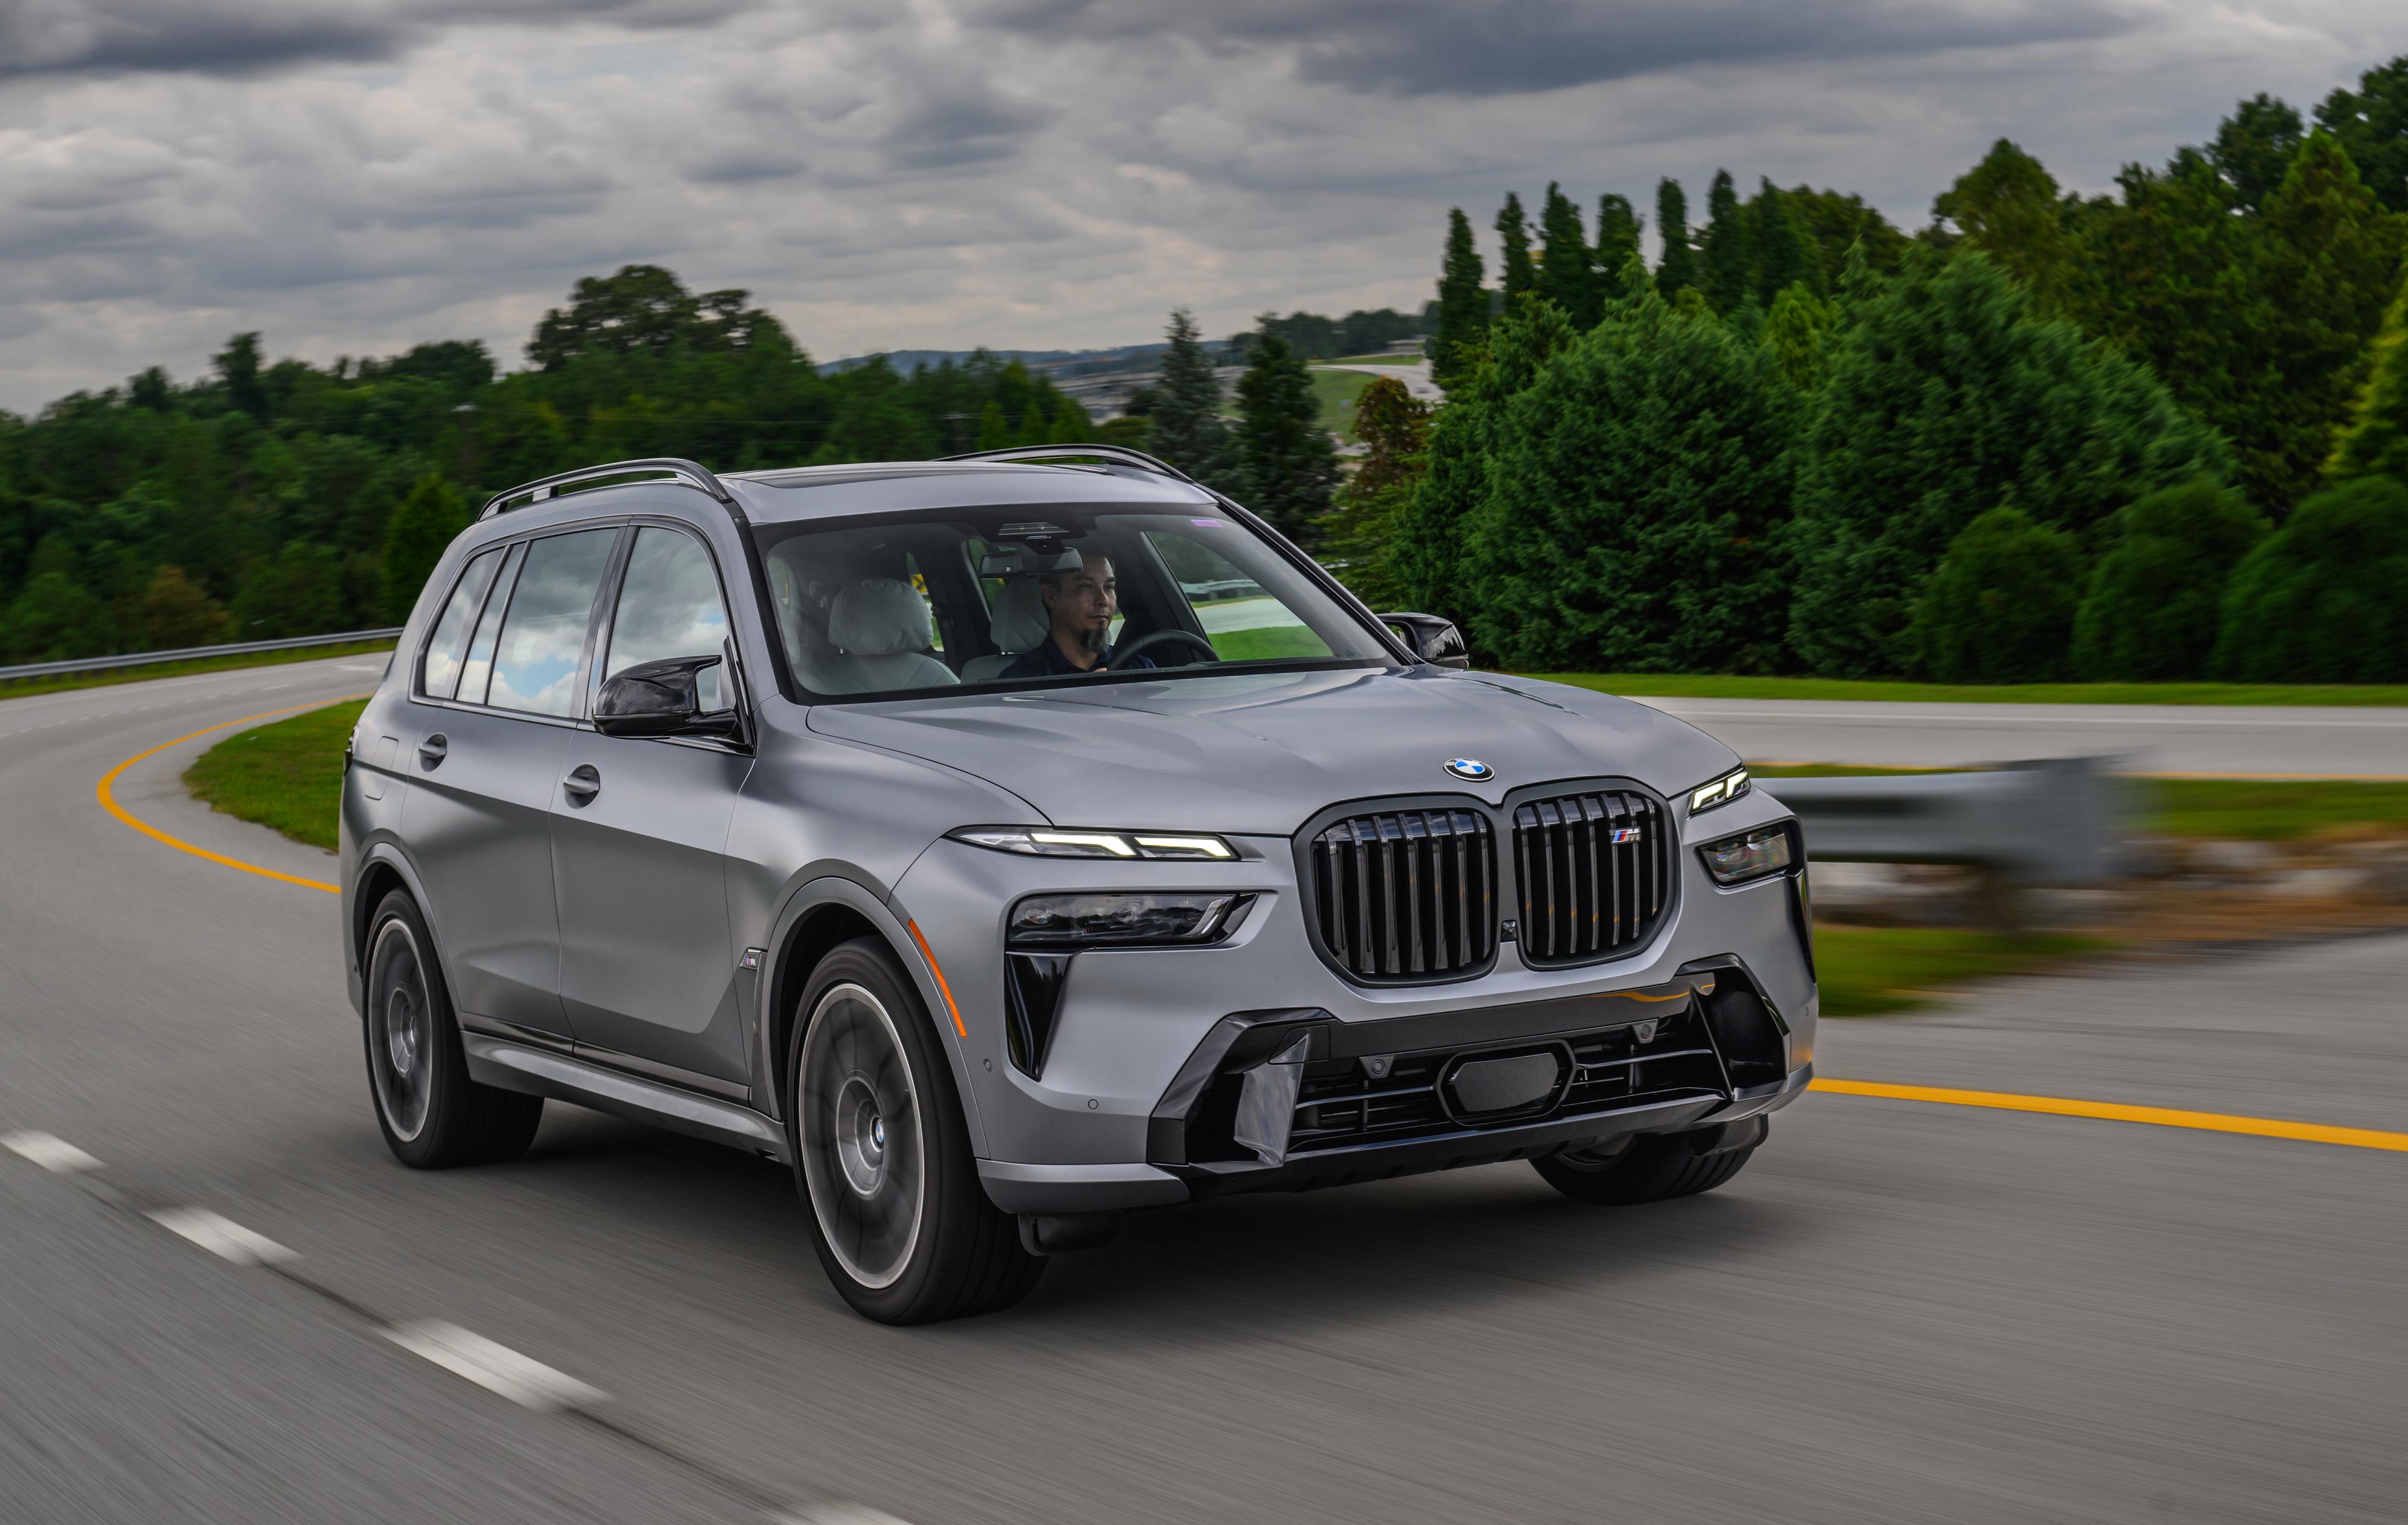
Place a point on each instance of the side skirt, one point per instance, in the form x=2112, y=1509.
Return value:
x=513, y=1066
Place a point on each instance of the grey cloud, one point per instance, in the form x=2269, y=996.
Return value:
x=1493, y=47
x=243, y=37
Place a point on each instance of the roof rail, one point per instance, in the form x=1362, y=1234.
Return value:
x=687, y=472
x=1117, y=454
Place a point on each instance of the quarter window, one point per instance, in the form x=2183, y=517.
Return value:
x=542, y=640
x=668, y=604
x=479, y=667
x=448, y=647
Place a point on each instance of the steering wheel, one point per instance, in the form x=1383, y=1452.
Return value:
x=1163, y=637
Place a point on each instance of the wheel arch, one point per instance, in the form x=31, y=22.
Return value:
x=382, y=870
x=819, y=917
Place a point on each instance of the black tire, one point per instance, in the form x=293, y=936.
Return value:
x=432, y=1115
x=1652, y=1167
x=865, y=1053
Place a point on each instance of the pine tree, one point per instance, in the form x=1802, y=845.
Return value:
x=1618, y=230
x=2007, y=207
x=2375, y=440
x=238, y=370
x=1430, y=545
x=993, y=433
x=1634, y=492
x=1798, y=331
x=1188, y=431
x=1287, y=462
x=1514, y=270
x=415, y=538
x=1462, y=306
x=2372, y=122
x=1360, y=539
x=1785, y=257
x=2328, y=262
x=1032, y=430
x=1676, y=271
x=1728, y=273
x=1565, y=276
x=1947, y=396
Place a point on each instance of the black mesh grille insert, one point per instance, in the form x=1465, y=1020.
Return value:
x=1406, y=895
x=1595, y=868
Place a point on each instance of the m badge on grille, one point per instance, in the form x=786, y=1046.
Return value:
x=1623, y=834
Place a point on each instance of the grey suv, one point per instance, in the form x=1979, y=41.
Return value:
x=1012, y=841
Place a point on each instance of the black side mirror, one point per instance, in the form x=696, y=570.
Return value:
x=1435, y=640
x=678, y=695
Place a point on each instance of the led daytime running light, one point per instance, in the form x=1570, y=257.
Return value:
x=1722, y=791
x=1046, y=842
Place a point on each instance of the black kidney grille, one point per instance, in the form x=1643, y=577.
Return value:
x=1407, y=894
x=1595, y=868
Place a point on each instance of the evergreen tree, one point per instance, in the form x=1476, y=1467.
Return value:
x=2253, y=149
x=177, y=613
x=1999, y=608
x=1430, y=521
x=2325, y=598
x=993, y=432
x=1287, y=462
x=1514, y=270
x=299, y=592
x=1188, y=431
x=1676, y=271
x=1947, y=396
x=2372, y=122
x=2007, y=207
x=54, y=617
x=1835, y=223
x=1565, y=276
x=1618, y=229
x=1360, y=541
x=1032, y=430
x=2151, y=610
x=1462, y=306
x=238, y=372
x=2328, y=261
x=2375, y=440
x=1798, y=331
x=1728, y=265
x=1634, y=500
x=415, y=538
x=1786, y=255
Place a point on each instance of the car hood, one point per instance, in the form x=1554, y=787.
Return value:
x=1260, y=754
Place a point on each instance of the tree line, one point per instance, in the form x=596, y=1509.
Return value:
x=2155, y=434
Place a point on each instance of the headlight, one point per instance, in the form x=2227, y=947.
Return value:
x=1047, y=842
x=1722, y=791
x=1759, y=853
x=1094, y=921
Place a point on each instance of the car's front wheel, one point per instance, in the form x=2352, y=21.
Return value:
x=882, y=1154
x=1648, y=1169
x=432, y=1114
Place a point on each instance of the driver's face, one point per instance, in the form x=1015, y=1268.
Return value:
x=1084, y=601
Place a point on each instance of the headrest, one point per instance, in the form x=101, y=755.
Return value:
x=878, y=616
x=1019, y=621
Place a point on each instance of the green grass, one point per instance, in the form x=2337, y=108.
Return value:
x=2268, y=810
x=24, y=688
x=1269, y=643
x=288, y=775
x=1337, y=391
x=1875, y=971
x=1386, y=357
x=1677, y=685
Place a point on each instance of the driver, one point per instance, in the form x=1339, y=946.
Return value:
x=1080, y=602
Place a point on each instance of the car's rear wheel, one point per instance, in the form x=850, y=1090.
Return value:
x=1648, y=1169
x=882, y=1155
x=432, y=1115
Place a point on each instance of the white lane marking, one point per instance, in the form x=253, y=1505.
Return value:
x=51, y=1152
x=1686, y=710
x=360, y=667
x=496, y=1368
x=837, y=1514
x=222, y=1237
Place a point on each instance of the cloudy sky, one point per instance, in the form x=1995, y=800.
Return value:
x=352, y=176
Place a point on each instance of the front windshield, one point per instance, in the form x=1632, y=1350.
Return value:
x=1020, y=597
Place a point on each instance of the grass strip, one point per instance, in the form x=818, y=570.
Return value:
x=287, y=775
x=25, y=687
x=1674, y=685
x=2263, y=809
x=1878, y=971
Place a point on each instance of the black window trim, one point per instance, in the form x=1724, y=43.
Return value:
x=606, y=619
x=578, y=719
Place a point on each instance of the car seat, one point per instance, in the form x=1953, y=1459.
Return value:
x=880, y=627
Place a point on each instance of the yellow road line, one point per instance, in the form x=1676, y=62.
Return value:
x=106, y=792
x=2212, y=1122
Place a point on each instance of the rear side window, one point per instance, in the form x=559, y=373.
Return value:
x=439, y=678
x=542, y=641
x=479, y=664
x=668, y=603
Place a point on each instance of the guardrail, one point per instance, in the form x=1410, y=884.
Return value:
x=187, y=654
x=2061, y=822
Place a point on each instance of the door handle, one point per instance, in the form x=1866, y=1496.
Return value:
x=432, y=750
x=581, y=785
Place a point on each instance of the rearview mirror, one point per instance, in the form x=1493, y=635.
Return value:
x=1431, y=638
x=678, y=695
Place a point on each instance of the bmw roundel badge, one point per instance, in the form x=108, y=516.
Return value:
x=1471, y=769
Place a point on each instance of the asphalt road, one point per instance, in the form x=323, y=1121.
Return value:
x=2367, y=743
x=1898, y=1312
